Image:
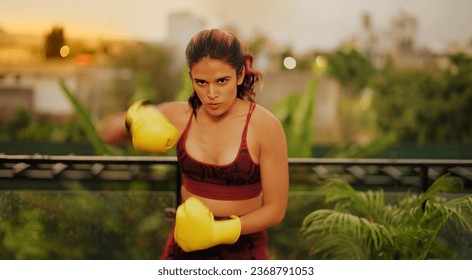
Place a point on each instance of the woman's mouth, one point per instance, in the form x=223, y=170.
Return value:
x=213, y=106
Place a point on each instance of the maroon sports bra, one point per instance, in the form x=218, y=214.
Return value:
x=241, y=179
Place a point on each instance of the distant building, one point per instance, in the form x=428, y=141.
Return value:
x=182, y=26
x=397, y=42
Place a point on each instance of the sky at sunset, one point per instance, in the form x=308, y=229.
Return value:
x=302, y=24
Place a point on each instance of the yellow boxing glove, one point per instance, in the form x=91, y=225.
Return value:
x=149, y=128
x=196, y=228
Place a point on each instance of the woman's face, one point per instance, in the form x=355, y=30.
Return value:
x=215, y=83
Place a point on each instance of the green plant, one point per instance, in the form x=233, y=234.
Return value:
x=87, y=124
x=83, y=225
x=153, y=70
x=351, y=68
x=296, y=112
x=364, y=225
x=417, y=104
x=379, y=144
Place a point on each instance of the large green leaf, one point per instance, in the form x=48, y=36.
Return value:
x=296, y=115
x=86, y=123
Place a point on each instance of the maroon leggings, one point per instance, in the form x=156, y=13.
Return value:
x=248, y=247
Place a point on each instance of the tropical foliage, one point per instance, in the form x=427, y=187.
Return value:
x=154, y=71
x=367, y=225
x=87, y=124
x=427, y=105
x=351, y=68
x=24, y=126
x=82, y=225
x=296, y=113
x=360, y=137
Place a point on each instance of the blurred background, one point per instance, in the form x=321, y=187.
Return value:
x=347, y=79
x=398, y=72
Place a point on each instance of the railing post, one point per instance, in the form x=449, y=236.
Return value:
x=178, y=185
x=170, y=211
x=424, y=181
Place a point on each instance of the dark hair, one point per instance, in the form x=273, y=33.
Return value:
x=219, y=44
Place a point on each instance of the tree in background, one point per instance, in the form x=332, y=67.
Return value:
x=458, y=99
x=352, y=69
x=426, y=105
x=150, y=65
x=54, y=42
x=416, y=105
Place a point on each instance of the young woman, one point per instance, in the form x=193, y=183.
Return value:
x=232, y=154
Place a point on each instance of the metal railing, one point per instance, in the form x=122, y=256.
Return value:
x=119, y=168
x=362, y=172
x=388, y=172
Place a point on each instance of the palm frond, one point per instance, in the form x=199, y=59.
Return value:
x=337, y=247
x=336, y=189
x=371, y=202
x=410, y=228
x=460, y=212
x=366, y=204
x=443, y=184
x=335, y=222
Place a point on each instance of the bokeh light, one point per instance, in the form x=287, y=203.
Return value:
x=64, y=51
x=320, y=65
x=290, y=63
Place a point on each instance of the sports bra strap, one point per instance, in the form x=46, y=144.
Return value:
x=252, y=106
x=185, y=132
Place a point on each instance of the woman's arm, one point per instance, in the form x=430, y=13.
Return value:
x=177, y=112
x=112, y=131
x=273, y=160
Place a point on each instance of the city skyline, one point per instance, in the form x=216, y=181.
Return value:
x=300, y=24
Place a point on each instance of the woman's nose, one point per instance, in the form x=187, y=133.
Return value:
x=212, y=92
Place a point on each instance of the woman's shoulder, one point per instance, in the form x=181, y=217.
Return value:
x=177, y=112
x=172, y=107
x=265, y=122
x=264, y=116
x=267, y=128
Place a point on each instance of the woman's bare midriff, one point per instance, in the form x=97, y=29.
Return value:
x=226, y=208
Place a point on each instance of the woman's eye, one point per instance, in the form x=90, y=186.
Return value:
x=222, y=81
x=201, y=83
